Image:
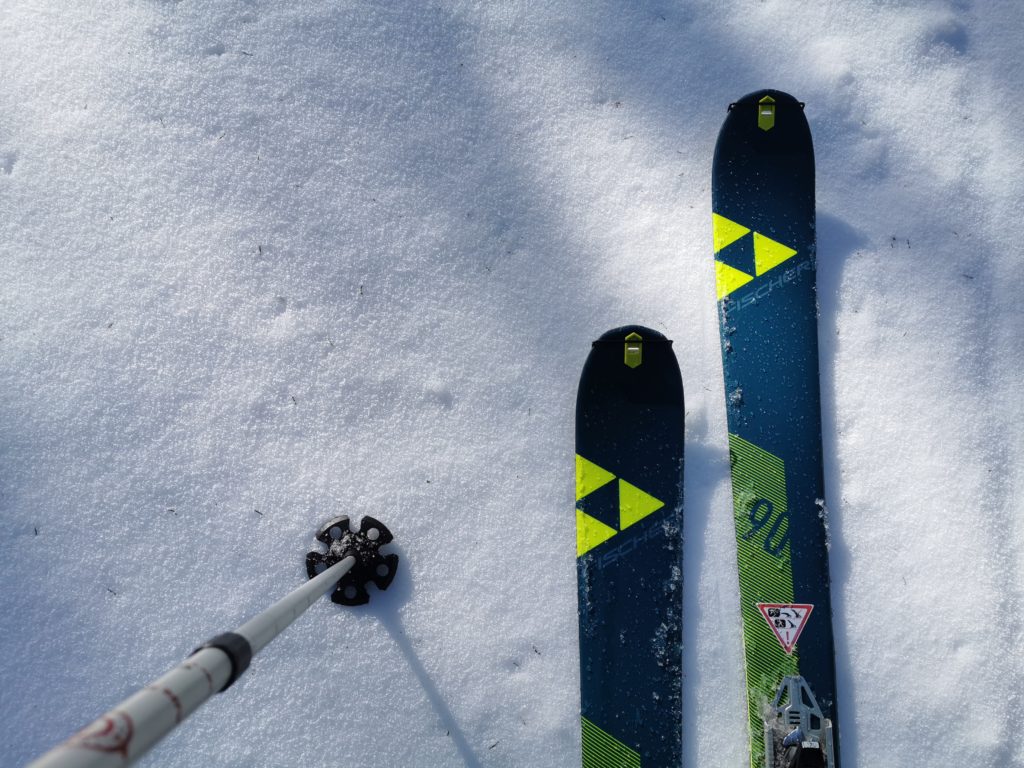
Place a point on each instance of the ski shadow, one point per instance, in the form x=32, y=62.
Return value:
x=385, y=608
x=838, y=243
x=706, y=470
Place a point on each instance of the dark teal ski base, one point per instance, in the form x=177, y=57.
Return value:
x=764, y=227
x=629, y=470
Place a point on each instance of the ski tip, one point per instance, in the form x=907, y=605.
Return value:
x=765, y=121
x=633, y=339
x=770, y=94
x=766, y=103
x=621, y=334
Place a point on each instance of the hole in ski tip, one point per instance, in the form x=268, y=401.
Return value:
x=382, y=569
x=335, y=532
x=351, y=592
x=373, y=534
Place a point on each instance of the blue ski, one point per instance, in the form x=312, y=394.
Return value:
x=629, y=524
x=764, y=241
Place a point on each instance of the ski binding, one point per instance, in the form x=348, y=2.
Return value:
x=796, y=733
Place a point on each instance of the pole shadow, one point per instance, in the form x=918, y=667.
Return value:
x=385, y=607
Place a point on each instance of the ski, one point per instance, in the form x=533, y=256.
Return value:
x=629, y=472
x=763, y=221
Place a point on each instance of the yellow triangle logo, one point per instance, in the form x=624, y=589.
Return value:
x=728, y=279
x=590, y=477
x=725, y=231
x=768, y=253
x=590, y=532
x=634, y=504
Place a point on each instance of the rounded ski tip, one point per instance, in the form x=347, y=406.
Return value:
x=364, y=544
x=632, y=339
x=765, y=104
x=756, y=97
x=621, y=333
x=763, y=121
x=637, y=348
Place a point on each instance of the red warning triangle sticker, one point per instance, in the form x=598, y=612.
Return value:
x=787, y=621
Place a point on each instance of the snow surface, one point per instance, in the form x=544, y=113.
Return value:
x=264, y=263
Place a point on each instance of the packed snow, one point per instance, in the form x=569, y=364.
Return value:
x=265, y=263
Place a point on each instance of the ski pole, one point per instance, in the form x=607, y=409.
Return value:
x=126, y=732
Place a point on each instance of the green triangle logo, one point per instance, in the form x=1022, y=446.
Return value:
x=769, y=253
x=634, y=504
x=725, y=231
x=590, y=477
x=728, y=279
x=590, y=532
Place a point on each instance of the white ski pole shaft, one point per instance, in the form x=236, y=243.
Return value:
x=126, y=732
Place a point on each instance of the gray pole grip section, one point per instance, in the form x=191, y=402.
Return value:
x=126, y=732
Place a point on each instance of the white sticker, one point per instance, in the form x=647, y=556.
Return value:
x=787, y=621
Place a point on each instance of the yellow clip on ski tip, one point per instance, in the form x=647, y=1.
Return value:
x=634, y=350
x=766, y=113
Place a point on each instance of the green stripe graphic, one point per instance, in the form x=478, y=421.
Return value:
x=766, y=573
x=602, y=750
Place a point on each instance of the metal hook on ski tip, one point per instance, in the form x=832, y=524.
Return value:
x=364, y=545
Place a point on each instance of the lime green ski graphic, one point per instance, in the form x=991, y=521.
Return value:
x=602, y=750
x=634, y=505
x=766, y=574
